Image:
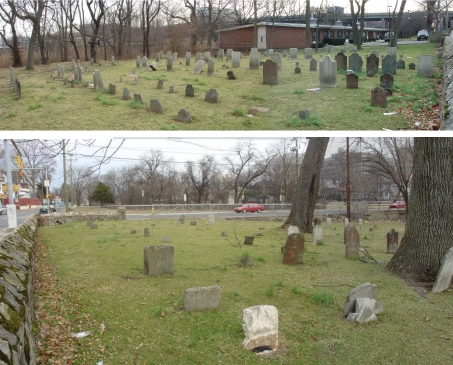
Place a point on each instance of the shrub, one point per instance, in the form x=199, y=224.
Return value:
x=335, y=41
x=320, y=45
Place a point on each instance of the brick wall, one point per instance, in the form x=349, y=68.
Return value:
x=285, y=37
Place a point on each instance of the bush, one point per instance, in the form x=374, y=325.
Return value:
x=320, y=45
x=335, y=41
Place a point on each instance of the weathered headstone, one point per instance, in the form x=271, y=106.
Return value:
x=352, y=81
x=94, y=226
x=98, y=77
x=220, y=54
x=112, y=89
x=152, y=66
x=317, y=235
x=198, y=56
x=248, y=240
x=188, y=55
x=341, y=61
x=378, y=97
x=372, y=64
x=158, y=260
x=400, y=65
x=308, y=53
x=355, y=62
x=199, y=65
x=206, y=56
x=346, y=221
x=211, y=65
x=231, y=75
x=202, y=298
x=126, y=94
x=392, y=51
x=343, y=48
x=133, y=231
x=351, y=241
x=184, y=116
x=328, y=72
x=193, y=223
x=211, y=219
x=169, y=64
x=388, y=92
x=386, y=81
x=190, y=92
x=293, y=251
x=277, y=58
x=236, y=59
x=181, y=218
x=293, y=53
x=328, y=222
x=174, y=56
x=445, y=273
x=366, y=290
x=260, y=325
x=137, y=62
x=411, y=66
x=392, y=241
x=165, y=239
x=138, y=98
x=297, y=70
x=212, y=96
x=360, y=223
x=146, y=232
x=425, y=65
x=313, y=64
x=155, y=106
x=229, y=52
x=144, y=62
x=160, y=84
x=254, y=62
x=389, y=65
x=270, y=73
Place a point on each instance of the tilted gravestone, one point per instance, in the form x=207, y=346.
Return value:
x=211, y=65
x=372, y=64
x=190, y=92
x=351, y=241
x=254, y=62
x=378, y=97
x=425, y=65
x=313, y=64
x=293, y=251
x=126, y=94
x=445, y=273
x=231, y=75
x=158, y=260
x=341, y=61
x=202, y=298
x=366, y=290
x=155, y=106
x=260, y=326
x=355, y=62
x=392, y=241
x=212, y=96
x=328, y=72
x=308, y=53
x=389, y=65
x=220, y=54
x=270, y=73
x=198, y=67
x=352, y=81
x=386, y=81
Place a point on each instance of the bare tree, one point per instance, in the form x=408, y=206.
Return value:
x=396, y=23
x=200, y=175
x=150, y=9
x=81, y=178
x=69, y=7
x=10, y=18
x=97, y=11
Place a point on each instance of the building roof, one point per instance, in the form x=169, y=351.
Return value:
x=298, y=25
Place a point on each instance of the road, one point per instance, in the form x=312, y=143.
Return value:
x=22, y=216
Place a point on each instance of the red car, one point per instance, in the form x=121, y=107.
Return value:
x=249, y=208
x=398, y=205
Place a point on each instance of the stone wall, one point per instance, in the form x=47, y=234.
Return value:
x=17, y=255
x=51, y=219
x=446, y=115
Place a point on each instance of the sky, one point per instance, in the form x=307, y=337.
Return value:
x=372, y=6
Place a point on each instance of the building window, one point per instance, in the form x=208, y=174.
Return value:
x=346, y=34
x=325, y=34
x=339, y=34
x=314, y=36
x=261, y=39
x=332, y=34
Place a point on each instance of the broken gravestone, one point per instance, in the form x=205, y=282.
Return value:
x=260, y=325
x=392, y=241
x=366, y=290
x=293, y=251
x=445, y=273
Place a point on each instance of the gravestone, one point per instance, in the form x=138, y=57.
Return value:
x=308, y=53
x=157, y=56
x=236, y=59
x=165, y=239
x=169, y=54
x=190, y=92
x=343, y=48
x=184, y=116
x=198, y=56
x=376, y=53
x=445, y=273
x=270, y=51
x=137, y=62
x=171, y=89
x=328, y=72
x=253, y=49
x=297, y=63
x=211, y=219
x=174, y=56
x=158, y=260
x=388, y=92
x=229, y=52
x=329, y=48
x=152, y=66
x=155, y=106
x=224, y=234
x=193, y=223
x=378, y=97
x=370, y=229
x=89, y=223
x=270, y=73
x=392, y=51
x=354, y=48
x=94, y=226
x=198, y=67
x=212, y=96
x=169, y=64
x=386, y=81
x=411, y=66
x=136, y=81
x=317, y=234
x=313, y=64
x=98, y=77
x=346, y=221
x=293, y=53
x=112, y=62
x=112, y=89
x=351, y=241
x=220, y=54
x=392, y=241
x=202, y=298
x=425, y=65
x=231, y=75
x=341, y=61
x=138, y=98
x=206, y=56
x=260, y=325
x=181, y=218
x=360, y=223
x=372, y=64
x=355, y=62
x=297, y=70
x=254, y=62
x=121, y=78
x=248, y=240
x=293, y=251
x=126, y=94
x=188, y=55
x=144, y=62
x=277, y=58
x=328, y=222
x=400, y=65
x=366, y=290
x=211, y=65
x=133, y=231
x=146, y=232
x=352, y=81
x=160, y=84
x=161, y=54
x=389, y=65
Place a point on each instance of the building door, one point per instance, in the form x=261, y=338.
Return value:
x=262, y=37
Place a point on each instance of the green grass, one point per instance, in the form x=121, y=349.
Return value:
x=323, y=297
x=238, y=113
x=338, y=108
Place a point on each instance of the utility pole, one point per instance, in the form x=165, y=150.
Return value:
x=11, y=207
x=72, y=180
x=65, y=186
x=348, y=182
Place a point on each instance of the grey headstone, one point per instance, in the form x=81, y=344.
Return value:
x=171, y=89
x=155, y=106
x=392, y=51
x=152, y=66
x=389, y=65
x=137, y=62
x=329, y=48
x=112, y=89
x=400, y=65
x=378, y=97
x=184, y=116
x=313, y=64
x=146, y=232
x=328, y=72
x=211, y=65
x=220, y=54
x=351, y=241
x=352, y=81
x=144, y=62
x=190, y=92
x=160, y=84
x=231, y=75
x=206, y=56
x=328, y=222
x=372, y=63
x=94, y=226
x=188, y=55
x=121, y=78
x=157, y=57
x=355, y=62
x=126, y=94
x=277, y=58
x=253, y=49
x=342, y=49
x=293, y=53
x=224, y=233
x=198, y=56
x=308, y=53
x=193, y=223
x=425, y=65
x=169, y=64
x=366, y=290
x=198, y=67
x=365, y=315
x=254, y=62
x=317, y=235
x=386, y=81
x=229, y=52
x=236, y=60
x=202, y=298
x=138, y=98
x=260, y=326
x=270, y=73
x=445, y=273
x=341, y=61
x=211, y=96
x=304, y=114
x=174, y=56
x=133, y=231
x=392, y=241
x=158, y=260
x=297, y=70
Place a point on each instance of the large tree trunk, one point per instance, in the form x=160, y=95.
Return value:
x=429, y=223
x=307, y=24
x=302, y=210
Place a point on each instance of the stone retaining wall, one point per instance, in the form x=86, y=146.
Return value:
x=446, y=115
x=17, y=255
x=51, y=219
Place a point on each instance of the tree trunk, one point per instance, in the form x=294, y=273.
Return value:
x=429, y=220
x=302, y=210
x=307, y=24
x=396, y=25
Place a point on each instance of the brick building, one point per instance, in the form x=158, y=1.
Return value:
x=285, y=35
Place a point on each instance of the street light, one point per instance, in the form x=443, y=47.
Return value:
x=410, y=13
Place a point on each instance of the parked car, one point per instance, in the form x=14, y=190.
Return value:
x=387, y=36
x=45, y=209
x=423, y=34
x=52, y=208
x=2, y=210
x=399, y=204
x=250, y=208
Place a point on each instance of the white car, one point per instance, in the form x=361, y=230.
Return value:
x=2, y=210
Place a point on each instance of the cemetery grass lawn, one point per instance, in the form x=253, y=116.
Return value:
x=48, y=105
x=136, y=319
